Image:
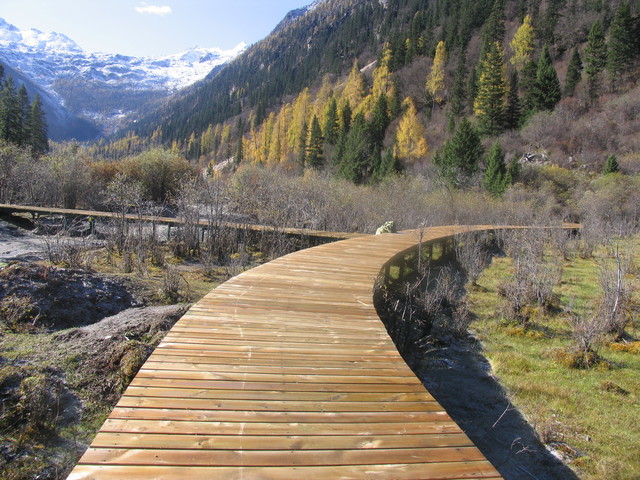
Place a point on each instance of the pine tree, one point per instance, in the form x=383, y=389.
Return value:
x=37, y=128
x=388, y=165
x=622, y=46
x=435, y=79
x=574, y=74
x=11, y=128
x=379, y=121
x=595, y=57
x=461, y=153
x=489, y=104
x=611, y=166
x=410, y=142
x=513, y=112
x=512, y=173
x=547, y=86
x=23, y=107
x=302, y=144
x=494, y=174
x=314, y=157
x=459, y=91
x=494, y=27
x=330, y=129
x=522, y=44
x=527, y=84
x=356, y=161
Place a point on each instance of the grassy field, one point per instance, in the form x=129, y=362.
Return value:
x=589, y=416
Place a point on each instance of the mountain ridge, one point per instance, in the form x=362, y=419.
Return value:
x=52, y=61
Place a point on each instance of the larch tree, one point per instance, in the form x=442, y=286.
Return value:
x=435, y=79
x=411, y=144
x=522, y=44
x=489, y=105
x=355, y=88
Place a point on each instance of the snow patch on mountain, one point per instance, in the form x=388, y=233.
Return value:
x=47, y=57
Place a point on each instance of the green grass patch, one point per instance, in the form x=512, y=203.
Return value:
x=588, y=415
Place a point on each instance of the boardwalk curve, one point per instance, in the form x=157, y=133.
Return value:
x=286, y=372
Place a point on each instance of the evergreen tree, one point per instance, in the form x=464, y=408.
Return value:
x=574, y=74
x=461, y=153
x=522, y=44
x=23, y=106
x=595, y=56
x=331, y=122
x=302, y=144
x=239, y=156
x=611, y=166
x=489, y=104
x=435, y=79
x=494, y=27
x=494, y=175
x=37, y=128
x=622, y=45
x=387, y=166
x=547, y=86
x=379, y=121
x=527, y=84
x=11, y=128
x=459, y=91
x=512, y=173
x=314, y=157
x=513, y=111
x=356, y=160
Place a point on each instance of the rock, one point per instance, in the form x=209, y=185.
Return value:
x=388, y=227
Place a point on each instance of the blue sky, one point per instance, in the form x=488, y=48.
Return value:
x=152, y=27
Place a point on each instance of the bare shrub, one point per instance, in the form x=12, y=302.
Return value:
x=175, y=287
x=615, y=297
x=534, y=278
x=472, y=254
x=588, y=332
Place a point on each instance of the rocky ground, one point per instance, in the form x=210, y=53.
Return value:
x=70, y=342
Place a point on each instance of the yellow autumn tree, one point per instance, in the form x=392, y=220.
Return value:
x=299, y=117
x=435, y=79
x=355, y=88
x=411, y=144
x=522, y=44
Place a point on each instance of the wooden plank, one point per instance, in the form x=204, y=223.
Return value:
x=285, y=372
x=442, y=471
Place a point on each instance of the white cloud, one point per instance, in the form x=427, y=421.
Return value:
x=144, y=8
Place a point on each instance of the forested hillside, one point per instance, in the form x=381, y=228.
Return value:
x=364, y=88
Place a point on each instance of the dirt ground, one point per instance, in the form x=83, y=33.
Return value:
x=19, y=244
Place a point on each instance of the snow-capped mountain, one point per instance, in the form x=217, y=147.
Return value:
x=106, y=89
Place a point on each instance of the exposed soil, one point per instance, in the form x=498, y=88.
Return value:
x=55, y=298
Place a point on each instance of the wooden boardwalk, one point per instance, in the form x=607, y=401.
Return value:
x=172, y=221
x=286, y=372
